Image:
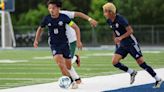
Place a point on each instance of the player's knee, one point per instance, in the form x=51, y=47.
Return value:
x=68, y=63
x=140, y=61
x=114, y=61
x=143, y=65
x=61, y=65
x=117, y=65
x=69, y=67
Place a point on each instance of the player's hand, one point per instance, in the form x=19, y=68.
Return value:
x=35, y=44
x=93, y=23
x=117, y=40
x=79, y=45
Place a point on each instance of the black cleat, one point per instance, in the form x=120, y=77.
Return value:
x=132, y=77
x=158, y=84
x=78, y=60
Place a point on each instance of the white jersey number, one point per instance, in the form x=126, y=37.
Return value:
x=56, y=31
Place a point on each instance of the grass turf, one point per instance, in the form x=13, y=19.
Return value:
x=35, y=71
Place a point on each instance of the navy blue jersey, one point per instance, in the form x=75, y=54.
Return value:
x=119, y=27
x=56, y=28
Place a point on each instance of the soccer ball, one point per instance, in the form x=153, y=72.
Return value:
x=64, y=82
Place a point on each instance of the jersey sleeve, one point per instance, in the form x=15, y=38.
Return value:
x=43, y=23
x=70, y=14
x=68, y=21
x=123, y=21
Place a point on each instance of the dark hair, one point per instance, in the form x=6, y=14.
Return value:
x=58, y=3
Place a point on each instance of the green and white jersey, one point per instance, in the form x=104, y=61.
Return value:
x=70, y=32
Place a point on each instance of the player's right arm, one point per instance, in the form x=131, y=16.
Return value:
x=37, y=37
x=73, y=14
x=114, y=36
x=39, y=32
x=92, y=21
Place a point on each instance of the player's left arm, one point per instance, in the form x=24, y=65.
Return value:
x=92, y=21
x=124, y=22
x=129, y=31
x=78, y=35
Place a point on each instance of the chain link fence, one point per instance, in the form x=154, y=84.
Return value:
x=101, y=35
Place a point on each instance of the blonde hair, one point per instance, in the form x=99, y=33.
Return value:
x=109, y=7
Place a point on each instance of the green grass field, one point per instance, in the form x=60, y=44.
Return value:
x=37, y=66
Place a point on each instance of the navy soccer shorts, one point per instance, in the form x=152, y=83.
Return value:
x=134, y=50
x=62, y=49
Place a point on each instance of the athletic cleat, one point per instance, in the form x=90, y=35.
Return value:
x=78, y=81
x=133, y=75
x=74, y=85
x=158, y=84
x=78, y=60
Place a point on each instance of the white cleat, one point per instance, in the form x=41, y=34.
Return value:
x=132, y=77
x=158, y=84
x=74, y=85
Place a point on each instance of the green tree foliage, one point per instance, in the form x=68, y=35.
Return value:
x=142, y=12
x=136, y=11
x=97, y=12
x=82, y=5
x=33, y=16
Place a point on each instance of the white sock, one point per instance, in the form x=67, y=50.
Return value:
x=73, y=73
x=157, y=78
x=74, y=59
x=130, y=71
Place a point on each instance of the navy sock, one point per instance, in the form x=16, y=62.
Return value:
x=148, y=69
x=71, y=79
x=121, y=67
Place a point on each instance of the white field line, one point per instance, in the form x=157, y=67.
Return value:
x=41, y=68
x=27, y=64
x=108, y=64
x=48, y=73
x=12, y=61
x=93, y=84
x=85, y=56
x=22, y=79
x=45, y=65
x=24, y=82
x=95, y=55
x=152, y=52
x=24, y=73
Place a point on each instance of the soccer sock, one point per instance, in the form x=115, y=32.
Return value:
x=73, y=73
x=130, y=71
x=74, y=59
x=71, y=79
x=157, y=78
x=149, y=70
x=123, y=67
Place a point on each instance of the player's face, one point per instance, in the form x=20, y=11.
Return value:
x=53, y=9
x=107, y=14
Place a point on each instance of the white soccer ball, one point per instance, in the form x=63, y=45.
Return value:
x=64, y=82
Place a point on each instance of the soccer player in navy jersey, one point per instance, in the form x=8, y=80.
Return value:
x=126, y=44
x=58, y=41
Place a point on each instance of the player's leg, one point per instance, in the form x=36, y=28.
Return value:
x=122, y=53
x=75, y=58
x=58, y=58
x=117, y=64
x=61, y=63
x=150, y=70
x=136, y=53
x=73, y=73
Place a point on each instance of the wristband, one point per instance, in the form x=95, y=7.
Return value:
x=89, y=19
